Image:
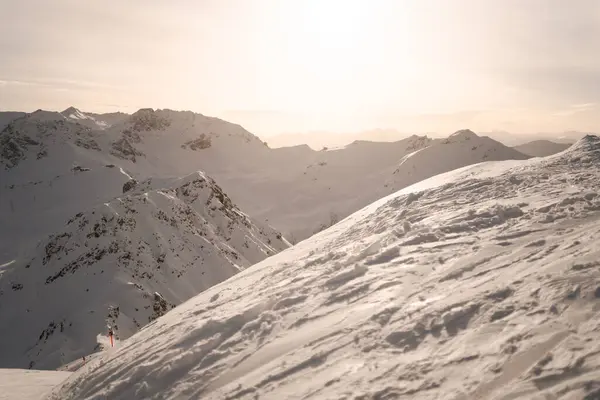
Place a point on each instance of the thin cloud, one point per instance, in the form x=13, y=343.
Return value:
x=576, y=108
x=585, y=106
x=57, y=83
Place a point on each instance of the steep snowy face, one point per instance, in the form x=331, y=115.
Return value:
x=458, y=150
x=75, y=115
x=124, y=264
x=479, y=283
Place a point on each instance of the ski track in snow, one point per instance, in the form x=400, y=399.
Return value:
x=481, y=283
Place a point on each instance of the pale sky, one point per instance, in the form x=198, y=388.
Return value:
x=297, y=65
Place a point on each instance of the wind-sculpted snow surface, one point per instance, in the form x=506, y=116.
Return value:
x=482, y=283
x=124, y=264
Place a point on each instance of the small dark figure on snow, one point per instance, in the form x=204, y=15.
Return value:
x=110, y=336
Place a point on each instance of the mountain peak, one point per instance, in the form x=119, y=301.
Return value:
x=143, y=111
x=71, y=110
x=589, y=144
x=73, y=113
x=43, y=116
x=464, y=134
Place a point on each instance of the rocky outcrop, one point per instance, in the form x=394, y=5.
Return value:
x=146, y=119
x=129, y=185
x=124, y=150
x=203, y=142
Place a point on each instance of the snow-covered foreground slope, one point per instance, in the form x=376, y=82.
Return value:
x=541, y=148
x=481, y=283
x=22, y=384
x=123, y=264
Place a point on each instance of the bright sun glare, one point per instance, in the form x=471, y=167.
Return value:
x=337, y=46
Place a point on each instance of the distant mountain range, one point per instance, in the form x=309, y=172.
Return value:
x=319, y=139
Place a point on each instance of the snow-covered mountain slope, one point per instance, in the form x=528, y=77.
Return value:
x=312, y=188
x=23, y=384
x=458, y=150
x=317, y=188
x=50, y=169
x=479, y=283
x=541, y=148
x=53, y=166
x=166, y=142
x=124, y=263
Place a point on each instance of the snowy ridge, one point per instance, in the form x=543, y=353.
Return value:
x=483, y=282
x=458, y=150
x=124, y=263
x=541, y=148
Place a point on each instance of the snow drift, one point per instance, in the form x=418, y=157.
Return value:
x=483, y=282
